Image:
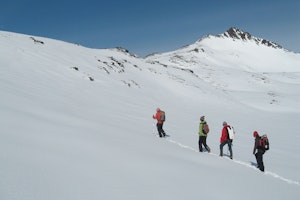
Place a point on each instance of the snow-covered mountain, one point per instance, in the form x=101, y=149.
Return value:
x=76, y=123
x=236, y=61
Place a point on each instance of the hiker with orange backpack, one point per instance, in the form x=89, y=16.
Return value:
x=160, y=117
x=203, y=131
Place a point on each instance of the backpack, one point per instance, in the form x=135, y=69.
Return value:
x=230, y=132
x=205, y=128
x=263, y=142
x=162, y=116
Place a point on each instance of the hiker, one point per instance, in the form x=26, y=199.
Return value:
x=225, y=139
x=203, y=134
x=160, y=117
x=258, y=151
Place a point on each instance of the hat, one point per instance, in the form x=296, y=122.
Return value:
x=255, y=134
x=224, y=123
x=157, y=109
x=202, y=118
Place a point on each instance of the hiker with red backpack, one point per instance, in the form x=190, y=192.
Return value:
x=261, y=145
x=203, y=131
x=226, y=139
x=160, y=117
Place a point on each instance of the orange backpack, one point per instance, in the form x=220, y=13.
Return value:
x=205, y=128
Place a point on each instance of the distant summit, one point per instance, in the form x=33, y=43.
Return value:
x=236, y=33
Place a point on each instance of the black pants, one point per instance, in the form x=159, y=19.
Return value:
x=259, y=160
x=160, y=130
x=202, y=141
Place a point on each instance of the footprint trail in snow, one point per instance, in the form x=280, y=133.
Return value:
x=289, y=181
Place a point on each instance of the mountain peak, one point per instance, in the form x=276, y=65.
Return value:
x=239, y=34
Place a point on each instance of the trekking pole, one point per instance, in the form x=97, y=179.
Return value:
x=153, y=128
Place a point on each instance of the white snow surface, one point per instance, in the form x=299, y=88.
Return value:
x=76, y=123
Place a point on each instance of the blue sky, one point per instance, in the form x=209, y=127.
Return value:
x=144, y=27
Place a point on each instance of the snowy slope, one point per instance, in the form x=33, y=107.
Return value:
x=76, y=122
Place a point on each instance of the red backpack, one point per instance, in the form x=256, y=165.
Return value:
x=263, y=142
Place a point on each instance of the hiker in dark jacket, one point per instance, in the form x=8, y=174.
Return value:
x=258, y=152
x=160, y=123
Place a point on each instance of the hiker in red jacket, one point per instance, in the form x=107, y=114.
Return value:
x=225, y=139
x=160, y=117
